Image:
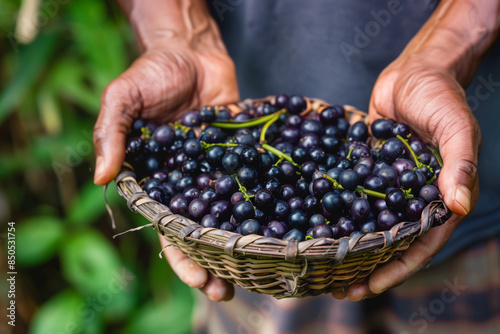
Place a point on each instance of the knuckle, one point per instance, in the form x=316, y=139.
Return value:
x=468, y=167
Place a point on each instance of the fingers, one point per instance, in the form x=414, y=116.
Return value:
x=218, y=289
x=416, y=257
x=459, y=144
x=120, y=104
x=195, y=276
x=184, y=267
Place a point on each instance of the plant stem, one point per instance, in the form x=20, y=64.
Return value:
x=246, y=124
x=349, y=154
x=242, y=189
x=417, y=162
x=359, y=190
x=268, y=124
x=206, y=146
x=279, y=154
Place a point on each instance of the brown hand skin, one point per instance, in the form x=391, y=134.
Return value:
x=423, y=88
x=184, y=65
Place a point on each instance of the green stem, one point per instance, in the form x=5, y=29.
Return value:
x=205, y=146
x=242, y=189
x=146, y=133
x=268, y=124
x=349, y=154
x=360, y=190
x=246, y=124
x=279, y=154
x=180, y=126
x=417, y=161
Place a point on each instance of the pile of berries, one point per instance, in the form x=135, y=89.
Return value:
x=272, y=172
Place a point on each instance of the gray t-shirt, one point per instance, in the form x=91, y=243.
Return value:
x=335, y=50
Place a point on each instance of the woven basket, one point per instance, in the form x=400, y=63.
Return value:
x=273, y=266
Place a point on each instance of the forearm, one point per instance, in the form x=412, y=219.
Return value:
x=164, y=23
x=457, y=35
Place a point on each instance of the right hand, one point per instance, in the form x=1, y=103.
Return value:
x=158, y=87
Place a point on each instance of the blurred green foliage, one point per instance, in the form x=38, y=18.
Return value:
x=73, y=277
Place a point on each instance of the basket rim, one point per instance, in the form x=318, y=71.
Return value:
x=237, y=245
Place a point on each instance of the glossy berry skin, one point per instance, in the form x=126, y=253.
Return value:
x=221, y=210
x=407, y=179
x=281, y=101
x=134, y=146
x=349, y=179
x=208, y=194
x=214, y=156
x=401, y=129
x=402, y=164
x=294, y=234
x=328, y=116
x=191, y=193
x=389, y=174
x=202, y=181
x=227, y=226
x=184, y=183
x=429, y=193
x=317, y=155
x=209, y=221
x=311, y=204
x=368, y=227
x=308, y=169
x=376, y=183
x=251, y=226
x=198, y=208
x=382, y=128
x=296, y=203
x=392, y=149
x=321, y=186
x=317, y=219
x=290, y=135
x=158, y=194
x=296, y=104
x=191, y=119
x=286, y=192
x=358, y=132
x=363, y=172
x=332, y=203
x=322, y=231
x=278, y=228
x=243, y=210
x=179, y=204
x=151, y=183
x=387, y=219
x=226, y=185
x=250, y=157
x=247, y=176
x=360, y=210
x=264, y=199
x=345, y=226
x=348, y=197
x=311, y=126
x=414, y=208
x=164, y=135
x=395, y=199
x=273, y=185
x=298, y=219
x=281, y=210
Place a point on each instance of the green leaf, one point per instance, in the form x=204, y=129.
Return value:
x=172, y=315
x=98, y=39
x=89, y=204
x=64, y=313
x=37, y=239
x=32, y=61
x=92, y=265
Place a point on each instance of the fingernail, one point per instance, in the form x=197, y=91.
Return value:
x=99, y=168
x=463, y=196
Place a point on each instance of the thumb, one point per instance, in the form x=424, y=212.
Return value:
x=459, y=139
x=118, y=110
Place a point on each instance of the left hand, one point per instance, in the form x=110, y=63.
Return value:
x=432, y=102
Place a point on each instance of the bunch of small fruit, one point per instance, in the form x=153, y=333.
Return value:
x=274, y=171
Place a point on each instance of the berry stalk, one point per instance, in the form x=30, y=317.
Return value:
x=280, y=154
x=246, y=124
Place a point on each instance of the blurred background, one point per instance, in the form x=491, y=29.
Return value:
x=56, y=57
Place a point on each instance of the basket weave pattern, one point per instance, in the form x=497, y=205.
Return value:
x=273, y=266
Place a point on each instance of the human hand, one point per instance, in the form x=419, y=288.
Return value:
x=184, y=65
x=433, y=104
